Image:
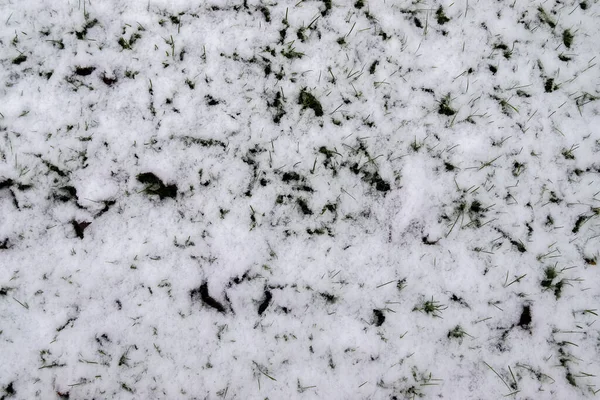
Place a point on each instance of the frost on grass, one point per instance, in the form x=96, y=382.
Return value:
x=317, y=199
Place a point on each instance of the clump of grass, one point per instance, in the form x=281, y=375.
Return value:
x=564, y=58
x=175, y=20
x=431, y=307
x=517, y=243
x=373, y=67
x=57, y=43
x=372, y=178
x=128, y=44
x=458, y=333
x=584, y=218
x=155, y=186
x=201, y=293
x=328, y=153
x=265, y=303
x=329, y=298
x=280, y=199
x=331, y=207
x=475, y=211
x=21, y=58
x=329, y=161
x=584, y=99
x=517, y=168
x=378, y=317
x=544, y=17
x=525, y=318
x=53, y=168
x=291, y=53
x=568, y=153
x=189, y=140
x=84, y=71
x=550, y=86
x=302, y=188
x=79, y=227
x=47, y=75
x=440, y=16
x=567, y=38
x=304, y=208
x=571, y=379
x=266, y=13
x=445, y=108
x=476, y=207
x=82, y=34
x=507, y=107
x=277, y=104
x=320, y=231
x=287, y=177
x=9, y=390
x=300, y=33
x=191, y=84
x=328, y=4
x=131, y=74
x=548, y=282
x=505, y=50
x=377, y=181
x=307, y=100
x=211, y=101
x=359, y=4
x=253, y=222
x=591, y=260
x=401, y=284
x=108, y=80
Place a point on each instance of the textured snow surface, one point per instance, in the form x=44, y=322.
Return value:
x=304, y=200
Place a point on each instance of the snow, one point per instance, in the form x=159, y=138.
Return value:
x=178, y=221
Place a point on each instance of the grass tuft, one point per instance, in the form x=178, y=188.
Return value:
x=21, y=58
x=431, y=307
x=544, y=17
x=307, y=100
x=304, y=208
x=201, y=293
x=84, y=71
x=525, y=318
x=373, y=67
x=378, y=317
x=457, y=333
x=440, y=16
x=155, y=186
x=549, y=85
x=291, y=53
x=567, y=38
x=445, y=108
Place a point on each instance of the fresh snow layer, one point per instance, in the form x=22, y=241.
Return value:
x=308, y=200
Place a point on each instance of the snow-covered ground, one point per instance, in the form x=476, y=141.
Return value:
x=233, y=199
